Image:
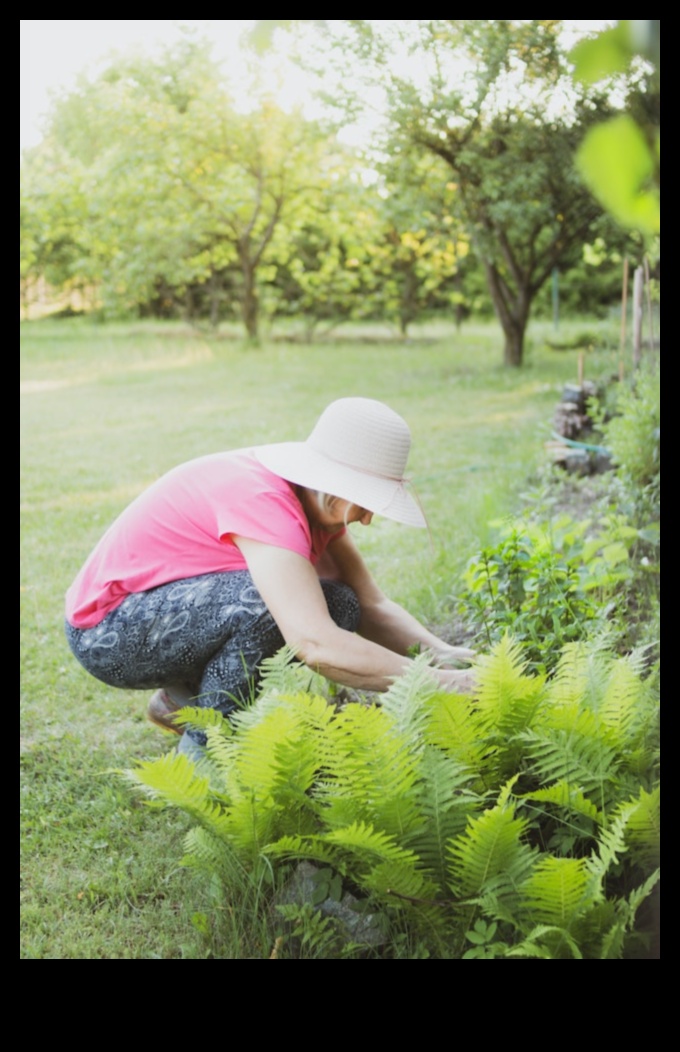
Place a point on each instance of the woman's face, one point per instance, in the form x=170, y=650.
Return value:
x=336, y=515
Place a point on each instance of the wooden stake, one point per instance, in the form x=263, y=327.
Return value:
x=581, y=361
x=637, y=315
x=649, y=305
x=624, y=308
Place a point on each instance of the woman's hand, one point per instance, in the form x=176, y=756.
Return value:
x=458, y=681
x=445, y=655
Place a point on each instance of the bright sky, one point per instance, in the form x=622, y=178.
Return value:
x=54, y=51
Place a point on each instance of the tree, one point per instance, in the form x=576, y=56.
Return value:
x=495, y=100
x=184, y=189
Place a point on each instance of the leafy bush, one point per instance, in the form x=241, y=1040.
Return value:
x=522, y=822
x=550, y=584
x=633, y=434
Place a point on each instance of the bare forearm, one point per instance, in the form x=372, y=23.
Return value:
x=352, y=661
x=394, y=628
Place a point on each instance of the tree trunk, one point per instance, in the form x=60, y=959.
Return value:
x=513, y=351
x=249, y=302
x=512, y=312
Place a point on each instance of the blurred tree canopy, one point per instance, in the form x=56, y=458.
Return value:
x=496, y=101
x=155, y=193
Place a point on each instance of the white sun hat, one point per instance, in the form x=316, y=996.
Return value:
x=357, y=451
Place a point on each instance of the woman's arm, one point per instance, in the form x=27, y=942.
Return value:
x=382, y=620
x=291, y=589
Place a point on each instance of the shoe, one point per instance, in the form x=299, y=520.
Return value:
x=161, y=711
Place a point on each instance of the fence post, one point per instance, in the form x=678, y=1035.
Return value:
x=624, y=308
x=638, y=283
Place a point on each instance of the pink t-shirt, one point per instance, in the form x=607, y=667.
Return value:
x=182, y=526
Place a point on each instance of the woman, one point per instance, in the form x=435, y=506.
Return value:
x=229, y=556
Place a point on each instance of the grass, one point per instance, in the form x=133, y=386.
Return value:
x=105, y=410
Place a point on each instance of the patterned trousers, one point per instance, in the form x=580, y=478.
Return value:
x=201, y=639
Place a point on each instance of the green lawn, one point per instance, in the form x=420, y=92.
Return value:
x=105, y=410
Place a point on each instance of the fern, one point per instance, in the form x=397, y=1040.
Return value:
x=371, y=774
x=571, y=746
x=568, y=799
x=406, y=701
x=556, y=891
x=446, y=802
x=611, y=846
x=643, y=832
x=202, y=719
x=397, y=799
x=453, y=727
x=491, y=855
x=546, y=942
x=507, y=699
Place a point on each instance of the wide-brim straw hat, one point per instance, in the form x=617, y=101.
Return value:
x=357, y=451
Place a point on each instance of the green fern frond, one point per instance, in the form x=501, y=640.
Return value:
x=506, y=697
x=572, y=747
x=283, y=673
x=613, y=942
x=406, y=700
x=546, y=942
x=307, y=847
x=175, y=779
x=453, y=726
x=580, y=674
x=621, y=703
x=490, y=856
x=402, y=883
x=643, y=831
x=445, y=803
x=371, y=774
x=611, y=845
x=567, y=797
x=556, y=891
x=172, y=778
x=203, y=847
x=616, y=936
x=369, y=846
x=255, y=763
x=202, y=719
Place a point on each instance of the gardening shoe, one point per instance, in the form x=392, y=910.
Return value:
x=161, y=711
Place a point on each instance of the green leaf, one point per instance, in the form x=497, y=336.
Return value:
x=601, y=56
x=617, y=163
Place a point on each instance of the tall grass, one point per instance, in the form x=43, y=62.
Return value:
x=106, y=410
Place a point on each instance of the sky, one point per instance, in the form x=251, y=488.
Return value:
x=54, y=51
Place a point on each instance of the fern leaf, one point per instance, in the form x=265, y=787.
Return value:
x=621, y=706
x=556, y=891
x=369, y=845
x=546, y=942
x=401, y=882
x=572, y=747
x=490, y=856
x=285, y=674
x=406, y=700
x=643, y=831
x=172, y=778
x=453, y=726
x=308, y=847
x=445, y=804
x=507, y=699
x=611, y=845
x=580, y=675
x=371, y=775
x=202, y=719
x=568, y=797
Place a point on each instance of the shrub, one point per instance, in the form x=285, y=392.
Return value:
x=522, y=822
